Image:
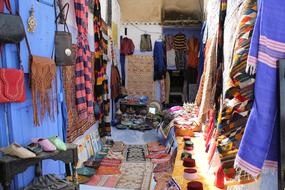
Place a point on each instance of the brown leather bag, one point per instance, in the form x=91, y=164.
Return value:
x=42, y=77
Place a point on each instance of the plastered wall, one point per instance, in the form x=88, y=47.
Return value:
x=141, y=10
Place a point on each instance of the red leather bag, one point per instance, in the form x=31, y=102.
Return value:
x=12, y=83
x=12, y=87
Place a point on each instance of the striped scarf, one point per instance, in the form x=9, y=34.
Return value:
x=84, y=89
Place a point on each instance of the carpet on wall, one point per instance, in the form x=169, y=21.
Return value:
x=139, y=72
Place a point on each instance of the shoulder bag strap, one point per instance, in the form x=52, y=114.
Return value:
x=8, y=6
x=61, y=12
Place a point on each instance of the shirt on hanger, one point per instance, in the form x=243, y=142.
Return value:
x=127, y=46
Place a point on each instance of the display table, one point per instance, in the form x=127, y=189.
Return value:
x=11, y=166
x=201, y=164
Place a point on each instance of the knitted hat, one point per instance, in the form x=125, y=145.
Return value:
x=188, y=162
x=194, y=185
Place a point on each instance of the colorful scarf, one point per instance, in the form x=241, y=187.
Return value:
x=84, y=89
x=259, y=145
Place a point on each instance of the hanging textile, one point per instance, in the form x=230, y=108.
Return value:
x=84, y=89
x=209, y=78
x=239, y=90
x=75, y=126
x=102, y=107
x=220, y=56
x=261, y=133
x=210, y=37
x=159, y=61
x=127, y=48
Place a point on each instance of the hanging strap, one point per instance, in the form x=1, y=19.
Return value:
x=61, y=16
x=8, y=6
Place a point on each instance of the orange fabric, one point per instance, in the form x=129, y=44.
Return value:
x=193, y=51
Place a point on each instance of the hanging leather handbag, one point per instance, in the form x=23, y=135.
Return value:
x=42, y=79
x=64, y=54
x=12, y=83
x=11, y=26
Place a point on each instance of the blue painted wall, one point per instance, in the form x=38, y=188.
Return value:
x=16, y=119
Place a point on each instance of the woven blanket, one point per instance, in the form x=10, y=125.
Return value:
x=139, y=70
x=135, y=153
x=239, y=89
x=136, y=176
x=75, y=126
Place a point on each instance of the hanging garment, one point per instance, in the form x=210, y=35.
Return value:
x=261, y=133
x=127, y=46
x=179, y=42
x=170, y=60
x=169, y=42
x=159, y=60
x=84, y=89
x=181, y=59
x=123, y=68
x=115, y=82
x=145, y=44
x=193, y=51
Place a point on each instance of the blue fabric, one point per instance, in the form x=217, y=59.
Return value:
x=159, y=60
x=201, y=54
x=123, y=72
x=260, y=140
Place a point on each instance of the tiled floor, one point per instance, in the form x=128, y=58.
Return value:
x=133, y=136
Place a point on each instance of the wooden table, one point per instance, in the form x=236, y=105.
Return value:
x=11, y=166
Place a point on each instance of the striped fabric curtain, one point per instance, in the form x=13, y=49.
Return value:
x=84, y=88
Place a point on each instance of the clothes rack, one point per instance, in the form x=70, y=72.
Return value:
x=281, y=175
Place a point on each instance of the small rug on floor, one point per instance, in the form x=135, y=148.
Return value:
x=103, y=181
x=135, y=153
x=136, y=176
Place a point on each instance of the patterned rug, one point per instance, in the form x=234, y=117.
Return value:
x=139, y=71
x=136, y=176
x=135, y=153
